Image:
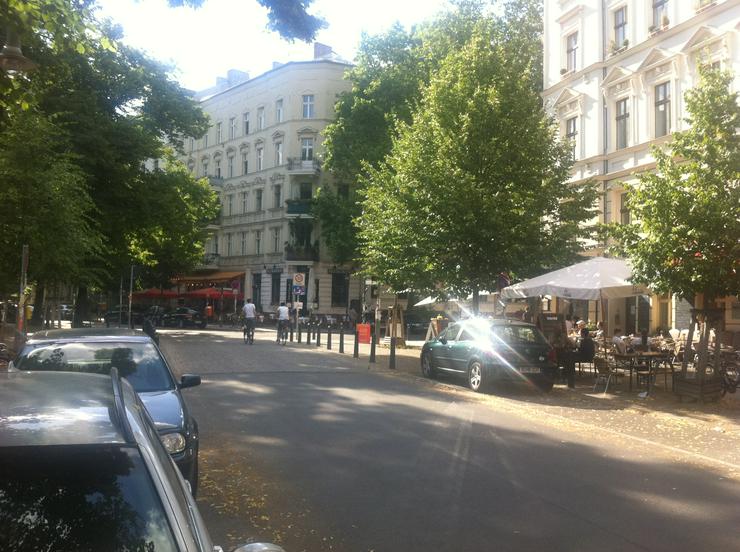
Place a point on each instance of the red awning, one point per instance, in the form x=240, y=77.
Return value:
x=210, y=293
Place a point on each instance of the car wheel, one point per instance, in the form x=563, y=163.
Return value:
x=427, y=368
x=475, y=375
x=181, y=324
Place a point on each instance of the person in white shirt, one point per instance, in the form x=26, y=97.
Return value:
x=250, y=314
x=283, y=318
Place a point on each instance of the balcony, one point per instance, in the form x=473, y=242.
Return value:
x=298, y=208
x=216, y=181
x=214, y=223
x=301, y=252
x=296, y=165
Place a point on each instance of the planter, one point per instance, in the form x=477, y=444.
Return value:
x=709, y=389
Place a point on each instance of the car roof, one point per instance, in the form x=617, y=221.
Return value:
x=59, y=408
x=496, y=322
x=89, y=335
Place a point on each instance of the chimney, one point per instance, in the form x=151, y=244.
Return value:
x=321, y=51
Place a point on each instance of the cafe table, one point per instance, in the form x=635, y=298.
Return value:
x=650, y=359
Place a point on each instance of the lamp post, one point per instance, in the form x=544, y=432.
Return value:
x=12, y=59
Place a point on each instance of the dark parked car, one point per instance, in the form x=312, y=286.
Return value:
x=486, y=351
x=81, y=468
x=118, y=316
x=183, y=317
x=139, y=360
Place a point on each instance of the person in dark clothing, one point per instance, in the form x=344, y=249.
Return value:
x=586, y=347
x=565, y=357
x=150, y=330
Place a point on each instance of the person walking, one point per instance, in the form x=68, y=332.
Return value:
x=250, y=314
x=283, y=319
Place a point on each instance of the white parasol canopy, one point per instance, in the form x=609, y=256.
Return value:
x=594, y=279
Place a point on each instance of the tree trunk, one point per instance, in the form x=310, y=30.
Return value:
x=81, y=308
x=687, y=350
x=476, y=301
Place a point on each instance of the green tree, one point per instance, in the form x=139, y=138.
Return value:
x=477, y=183
x=390, y=73
x=685, y=238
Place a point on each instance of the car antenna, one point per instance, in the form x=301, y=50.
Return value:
x=120, y=407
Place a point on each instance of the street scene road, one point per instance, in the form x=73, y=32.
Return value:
x=314, y=451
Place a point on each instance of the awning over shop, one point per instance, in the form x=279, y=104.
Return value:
x=594, y=279
x=220, y=276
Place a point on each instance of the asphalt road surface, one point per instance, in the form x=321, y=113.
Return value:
x=314, y=451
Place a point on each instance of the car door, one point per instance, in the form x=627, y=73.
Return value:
x=443, y=347
x=461, y=350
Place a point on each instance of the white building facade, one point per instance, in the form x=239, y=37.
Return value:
x=615, y=73
x=262, y=154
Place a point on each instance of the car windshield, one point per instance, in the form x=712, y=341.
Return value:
x=139, y=362
x=72, y=498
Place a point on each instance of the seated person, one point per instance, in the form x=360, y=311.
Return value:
x=600, y=329
x=586, y=348
x=619, y=345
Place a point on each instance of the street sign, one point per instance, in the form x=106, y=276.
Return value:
x=299, y=279
x=299, y=290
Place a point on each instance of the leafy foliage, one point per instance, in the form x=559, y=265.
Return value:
x=477, y=183
x=685, y=237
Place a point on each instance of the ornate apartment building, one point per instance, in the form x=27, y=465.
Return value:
x=615, y=72
x=262, y=155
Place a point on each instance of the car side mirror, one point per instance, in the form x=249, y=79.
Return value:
x=189, y=380
x=443, y=340
x=259, y=547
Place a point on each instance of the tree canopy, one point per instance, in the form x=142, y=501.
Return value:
x=685, y=234
x=477, y=182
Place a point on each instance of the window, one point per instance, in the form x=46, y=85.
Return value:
x=205, y=140
x=306, y=190
x=622, y=120
x=261, y=118
x=245, y=196
x=230, y=204
x=339, y=290
x=660, y=12
x=245, y=163
x=218, y=168
x=571, y=50
x=219, y=135
x=230, y=166
x=228, y=245
x=243, y=243
x=245, y=118
x=276, y=196
x=278, y=154
x=232, y=128
x=275, y=295
x=260, y=157
x=279, y=111
x=662, y=109
x=308, y=106
x=624, y=211
x=306, y=149
x=570, y=134
x=258, y=242
x=156, y=164
x=276, y=239
x=205, y=168
x=620, y=26
x=258, y=200
x=215, y=245
x=192, y=144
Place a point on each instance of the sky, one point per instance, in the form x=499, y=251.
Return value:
x=206, y=42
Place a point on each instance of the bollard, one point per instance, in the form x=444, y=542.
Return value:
x=341, y=339
x=372, y=350
x=318, y=335
x=356, y=353
x=308, y=334
x=328, y=338
x=299, y=332
x=291, y=333
x=392, y=362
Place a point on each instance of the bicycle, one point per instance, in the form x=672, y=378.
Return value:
x=729, y=377
x=248, y=331
x=282, y=332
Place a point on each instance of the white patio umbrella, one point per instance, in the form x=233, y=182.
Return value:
x=594, y=279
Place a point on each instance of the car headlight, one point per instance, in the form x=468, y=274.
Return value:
x=173, y=442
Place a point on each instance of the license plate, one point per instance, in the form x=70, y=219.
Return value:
x=529, y=370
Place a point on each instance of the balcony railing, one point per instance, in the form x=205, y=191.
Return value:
x=303, y=166
x=301, y=252
x=298, y=207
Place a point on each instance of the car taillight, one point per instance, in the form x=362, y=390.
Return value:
x=551, y=356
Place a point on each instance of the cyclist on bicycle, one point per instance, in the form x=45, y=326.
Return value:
x=250, y=313
x=283, y=319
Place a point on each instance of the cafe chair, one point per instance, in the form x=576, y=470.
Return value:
x=604, y=373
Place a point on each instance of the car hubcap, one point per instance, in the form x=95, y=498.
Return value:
x=475, y=376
